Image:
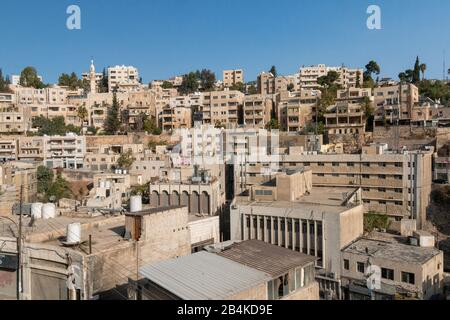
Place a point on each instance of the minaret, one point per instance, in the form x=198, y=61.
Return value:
x=92, y=78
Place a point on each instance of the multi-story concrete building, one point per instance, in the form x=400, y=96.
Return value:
x=233, y=77
x=346, y=119
x=265, y=83
x=17, y=180
x=395, y=184
x=296, y=109
x=258, y=110
x=403, y=270
x=395, y=103
x=64, y=151
x=8, y=149
x=178, y=113
x=248, y=270
x=123, y=76
x=222, y=108
x=287, y=211
x=348, y=78
x=14, y=119
x=110, y=189
x=354, y=95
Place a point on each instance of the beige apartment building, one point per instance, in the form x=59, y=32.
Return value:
x=222, y=108
x=406, y=271
x=8, y=149
x=16, y=178
x=345, y=119
x=348, y=78
x=258, y=110
x=354, y=95
x=232, y=77
x=296, y=109
x=14, y=119
x=123, y=77
x=265, y=83
x=177, y=114
x=394, y=103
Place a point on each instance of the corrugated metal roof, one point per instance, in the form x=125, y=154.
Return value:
x=268, y=258
x=203, y=276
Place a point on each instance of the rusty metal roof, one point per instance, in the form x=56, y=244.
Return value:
x=268, y=258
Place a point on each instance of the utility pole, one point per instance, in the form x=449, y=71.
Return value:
x=19, y=248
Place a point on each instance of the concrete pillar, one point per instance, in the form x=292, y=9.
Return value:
x=286, y=233
x=279, y=231
x=293, y=235
x=272, y=231
x=258, y=229
x=300, y=230
x=308, y=238
x=251, y=227
x=315, y=238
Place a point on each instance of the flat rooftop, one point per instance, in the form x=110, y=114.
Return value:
x=105, y=231
x=394, y=251
x=203, y=276
x=326, y=199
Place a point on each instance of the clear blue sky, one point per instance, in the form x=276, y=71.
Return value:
x=164, y=38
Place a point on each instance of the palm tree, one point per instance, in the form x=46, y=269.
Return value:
x=423, y=68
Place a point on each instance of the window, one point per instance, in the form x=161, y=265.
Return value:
x=360, y=267
x=263, y=192
x=408, y=277
x=350, y=164
x=321, y=164
x=335, y=164
x=346, y=264
x=387, y=274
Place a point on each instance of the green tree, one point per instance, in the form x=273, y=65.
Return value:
x=150, y=126
x=238, y=86
x=423, y=68
x=103, y=87
x=82, y=113
x=44, y=179
x=55, y=126
x=4, y=83
x=125, y=160
x=290, y=87
x=189, y=84
x=371, y=68
x=29, y=78
x=273, y=70
x=252, y=89
x=368, y=109
x=112, y=123
x=375, y=220
x=207, y=79
x=329, y=79
x=273, y=125
x=167, y=85
x=59, y=189
x=416, y=72
x=70, y=81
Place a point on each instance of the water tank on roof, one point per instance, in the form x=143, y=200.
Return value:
x=48, y=211
x=36, y=210
x=136, y=203
x=73, y=235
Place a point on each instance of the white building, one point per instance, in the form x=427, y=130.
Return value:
x=122, y=76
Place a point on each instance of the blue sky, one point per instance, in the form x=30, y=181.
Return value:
x=164, y=38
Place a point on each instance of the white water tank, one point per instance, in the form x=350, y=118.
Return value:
x=48, y=211
x=73, y=235
x=36, y=210
x=136, y=203
x=124, y=171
